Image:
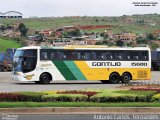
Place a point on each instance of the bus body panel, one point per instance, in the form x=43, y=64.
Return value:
x=103, y=72
x=85, y=69
x=81, y=71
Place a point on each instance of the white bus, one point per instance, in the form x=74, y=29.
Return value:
x=113, y=64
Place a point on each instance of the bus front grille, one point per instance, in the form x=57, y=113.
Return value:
x=142, y=74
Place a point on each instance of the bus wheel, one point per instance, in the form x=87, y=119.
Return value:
x=114, y=78
x=126, y=77
x=45, y=78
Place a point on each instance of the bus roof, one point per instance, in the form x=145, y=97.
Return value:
x=86, y=47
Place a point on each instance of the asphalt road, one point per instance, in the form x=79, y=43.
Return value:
x=8, y=85
x=83, y=117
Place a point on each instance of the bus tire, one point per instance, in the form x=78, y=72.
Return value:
x=114, y=78
x=126, y=78
x=45, y=78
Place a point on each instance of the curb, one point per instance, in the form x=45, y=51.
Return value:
x=80, y=110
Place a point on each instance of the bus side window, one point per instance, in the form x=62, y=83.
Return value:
x=79, y=55
x=52, y=55
x=136, y=55
x=59, y=55
x=69, y=55
x=94, y=55
x=119, y=55
x=83, y=55
x=87, y=55
x=144, y=55
x=99, y=55
x=111, y=56
x=103, y=56
x=128, y=57
x=64, y=57
x=132, y=55
x=44, y=55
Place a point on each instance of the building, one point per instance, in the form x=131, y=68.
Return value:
x=11, y=14
x=83, y=40
x=109, y=33
x=67, y=41
x=69, y=28
x=157, y=42
x=11, y=34
x=46, y=32
x=35, y=38
x=126, y=37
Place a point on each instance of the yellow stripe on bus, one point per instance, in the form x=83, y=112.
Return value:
x=104, y=73
x=91, y=73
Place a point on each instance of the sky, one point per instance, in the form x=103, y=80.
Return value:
x=55, y=8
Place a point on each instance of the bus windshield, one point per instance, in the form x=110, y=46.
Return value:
x=25, y=60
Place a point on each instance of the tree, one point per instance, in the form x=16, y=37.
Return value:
x=23, y=29
x=8, y=27
x=104, y=42
x=119, y=43
x=150, y=36
x=141, y=40
x=104, y=35
x=3, y=27
x=97, y=20
x=75, y=32
x=98, y=43
x=154, y=46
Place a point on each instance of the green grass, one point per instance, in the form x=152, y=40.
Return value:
x=134, y=93
x=8, y=43
x=76, y=104
x=119, y=26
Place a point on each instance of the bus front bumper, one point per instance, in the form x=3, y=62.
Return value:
x=17, y=76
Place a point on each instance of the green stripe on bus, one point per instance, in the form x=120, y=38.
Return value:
x=64, y=70
x=75, y=70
